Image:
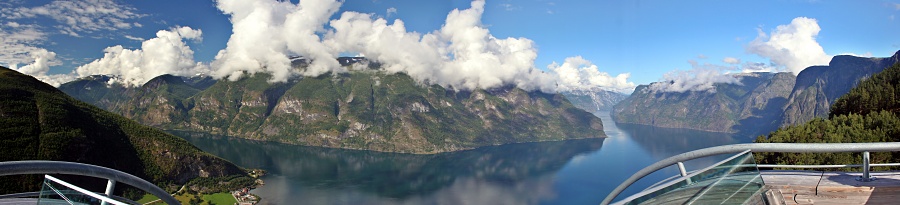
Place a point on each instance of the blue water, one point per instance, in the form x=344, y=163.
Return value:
x=567, y=172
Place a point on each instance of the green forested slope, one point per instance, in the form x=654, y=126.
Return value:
x=867, y=113
x=39, y=122
x=819, y=87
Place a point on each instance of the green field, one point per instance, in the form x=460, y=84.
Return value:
x=147, y=198
x=217, y=198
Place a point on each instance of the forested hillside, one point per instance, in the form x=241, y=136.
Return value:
x=867, y=113
x=40, y=122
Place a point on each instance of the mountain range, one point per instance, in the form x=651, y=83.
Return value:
x=42, y=123
x=594, y=100
x=760, y=103
x=363, y=109
x=757, y=99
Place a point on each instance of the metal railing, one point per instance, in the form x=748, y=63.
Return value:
x=38, y=194
x=78, y=190
x=865, y=148
x=71, y=168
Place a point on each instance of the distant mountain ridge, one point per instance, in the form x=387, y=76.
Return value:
x=363, y=109
x=730, y=108
x=758, y=105
x=594, y=100
x=42, y=123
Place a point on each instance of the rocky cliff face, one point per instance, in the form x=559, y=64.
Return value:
x=158, y=101
x=731, y=108
x=359, y=110
x=818, y=86
x=594, y=100
x=760, y=104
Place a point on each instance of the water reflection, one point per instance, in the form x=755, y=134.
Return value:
x=463, y=190
x=508, y=174
x=567, y=172
x=662, y=143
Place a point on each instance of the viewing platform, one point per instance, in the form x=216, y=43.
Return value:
x=739, y=180
x=824, y=187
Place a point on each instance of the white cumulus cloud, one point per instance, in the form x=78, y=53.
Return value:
x=700, y=78
x=576, y=73
x=266, y=32
x=42, y=59
x=462, y=54
x=480, y=60
x=397, y=49
x=19, y=44
x=793, y=45
x=40, y=65
x=167, y=53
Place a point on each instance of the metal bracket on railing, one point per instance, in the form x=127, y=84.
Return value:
x=866, y=177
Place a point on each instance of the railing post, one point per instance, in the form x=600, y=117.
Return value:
x=866, y=177
x=110, y=186
x=683, y=172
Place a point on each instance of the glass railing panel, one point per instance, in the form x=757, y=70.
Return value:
x=55, y=191
x=731, y=181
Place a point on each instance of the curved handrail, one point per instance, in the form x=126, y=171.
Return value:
x=753, y=147
x=73, y=168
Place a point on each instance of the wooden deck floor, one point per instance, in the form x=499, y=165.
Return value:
x=817, y=187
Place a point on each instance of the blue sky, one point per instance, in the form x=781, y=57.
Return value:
x=647, y=39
